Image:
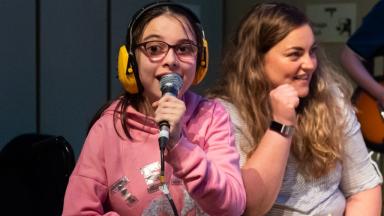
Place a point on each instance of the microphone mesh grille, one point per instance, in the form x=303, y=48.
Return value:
x=172, y=80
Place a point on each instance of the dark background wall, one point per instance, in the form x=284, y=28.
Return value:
x=58, y=61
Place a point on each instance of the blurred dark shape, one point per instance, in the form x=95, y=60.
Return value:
x=34, y=173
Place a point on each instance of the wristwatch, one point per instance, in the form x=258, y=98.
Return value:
x=285, y=130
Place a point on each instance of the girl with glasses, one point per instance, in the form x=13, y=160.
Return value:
x=119, y=171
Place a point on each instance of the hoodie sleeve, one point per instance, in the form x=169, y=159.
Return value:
x=207, y=161
x=87, y=188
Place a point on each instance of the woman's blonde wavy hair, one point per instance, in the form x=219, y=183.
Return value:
x=318, y=139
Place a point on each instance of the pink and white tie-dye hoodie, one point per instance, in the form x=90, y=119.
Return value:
x=116, y=176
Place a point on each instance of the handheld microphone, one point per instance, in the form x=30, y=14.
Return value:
x=170, y=84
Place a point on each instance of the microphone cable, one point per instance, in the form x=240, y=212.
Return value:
x=163, y=140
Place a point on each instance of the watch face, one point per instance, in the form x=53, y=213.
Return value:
x=285, y=130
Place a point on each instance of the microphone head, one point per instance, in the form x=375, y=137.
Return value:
x=171, y=84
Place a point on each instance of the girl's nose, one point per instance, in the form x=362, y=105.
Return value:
x=171, y=59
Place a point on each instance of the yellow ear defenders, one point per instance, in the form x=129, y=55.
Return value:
x=126, y=69
x=203, y=67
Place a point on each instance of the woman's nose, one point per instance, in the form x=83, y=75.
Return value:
x=310, y=62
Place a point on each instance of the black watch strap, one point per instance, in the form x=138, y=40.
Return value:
x=285, y=130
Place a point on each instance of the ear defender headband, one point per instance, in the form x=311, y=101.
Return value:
x=126, y=65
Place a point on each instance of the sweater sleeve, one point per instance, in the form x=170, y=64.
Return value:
x=209, y=165
x=87, y=188
x=360, y=172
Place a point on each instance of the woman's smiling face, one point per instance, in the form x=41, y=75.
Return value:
x=293, y=60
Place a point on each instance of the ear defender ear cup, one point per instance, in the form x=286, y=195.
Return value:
x=125, y=71
x=203, y=68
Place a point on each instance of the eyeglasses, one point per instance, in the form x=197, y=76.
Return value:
x=157, y=50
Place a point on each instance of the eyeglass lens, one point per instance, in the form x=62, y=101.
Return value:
x=156, y=50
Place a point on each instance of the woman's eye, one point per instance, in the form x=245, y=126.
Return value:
x=294, y=55
x=313, y=51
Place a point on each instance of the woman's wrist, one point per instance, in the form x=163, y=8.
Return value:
x=283, y=129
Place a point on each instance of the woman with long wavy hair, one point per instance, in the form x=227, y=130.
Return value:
x=302, y=152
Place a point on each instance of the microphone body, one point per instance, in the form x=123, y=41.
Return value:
x=170, y=84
